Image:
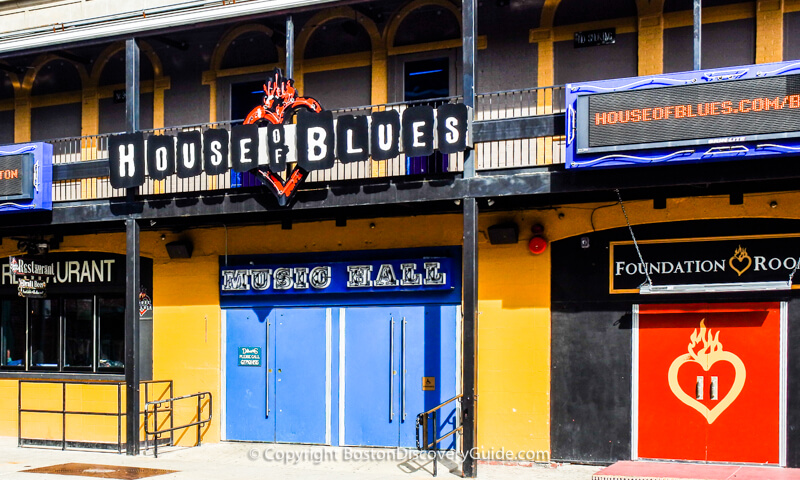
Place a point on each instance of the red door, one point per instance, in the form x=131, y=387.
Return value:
x=709, y=382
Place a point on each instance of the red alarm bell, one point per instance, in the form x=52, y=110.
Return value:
x=538, y=244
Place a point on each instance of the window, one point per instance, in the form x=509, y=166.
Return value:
x=63, y=334
x=424, y=80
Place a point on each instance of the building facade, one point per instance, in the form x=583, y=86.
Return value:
x=334, y=307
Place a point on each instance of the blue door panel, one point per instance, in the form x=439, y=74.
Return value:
x=246, y=416
x=383, y=394
x=300, y=375
x=370, y=408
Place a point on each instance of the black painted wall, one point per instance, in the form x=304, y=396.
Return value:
x=791, y=39
x=725, y=44
x=590, y=413
x=596, y=63
x=58, y=121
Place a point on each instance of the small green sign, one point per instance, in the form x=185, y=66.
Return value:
x=249, y=356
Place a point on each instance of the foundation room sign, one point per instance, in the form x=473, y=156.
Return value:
x=689, y=261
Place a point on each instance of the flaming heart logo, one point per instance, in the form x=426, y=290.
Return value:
x=710, y=352
x=740, y=261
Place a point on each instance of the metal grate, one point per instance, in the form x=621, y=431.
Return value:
x=100, y=471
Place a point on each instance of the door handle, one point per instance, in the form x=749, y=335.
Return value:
x=266, y=364
x=391, y=369
x=698, y=388
x=403, y=372
x=713, y=390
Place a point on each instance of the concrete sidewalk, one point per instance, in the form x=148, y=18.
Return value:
x=256, y=460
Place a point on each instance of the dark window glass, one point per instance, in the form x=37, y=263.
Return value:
x=12, y=333
x=245, y=97
x=111, y=333
x=423, y=80
x=78, y=333
x=43, y=318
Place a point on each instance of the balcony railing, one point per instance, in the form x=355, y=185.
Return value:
x=529, y=152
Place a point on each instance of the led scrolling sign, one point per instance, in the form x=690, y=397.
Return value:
x=749, y=111
x=268, y=142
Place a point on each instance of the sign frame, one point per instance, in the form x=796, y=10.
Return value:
x=731, y=146
x=614, y=244
x=37, y=182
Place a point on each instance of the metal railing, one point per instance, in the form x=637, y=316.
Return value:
x=521, y=153
x=170, y=410
x=64, y=412
x=430, y=441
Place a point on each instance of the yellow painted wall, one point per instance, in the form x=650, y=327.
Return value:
x=514, y=305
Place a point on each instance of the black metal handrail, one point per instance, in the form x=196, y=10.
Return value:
x=119, y=413
x=424, y=420
x=156, y=404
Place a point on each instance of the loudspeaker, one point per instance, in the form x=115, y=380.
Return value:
x=180, y=249
x=503, y=233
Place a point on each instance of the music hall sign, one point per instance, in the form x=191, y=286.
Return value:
x=268, y=142
x=763, y=258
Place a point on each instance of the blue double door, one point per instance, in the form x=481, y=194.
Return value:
x=284, y=397
x=340, y=375
x=398, y=362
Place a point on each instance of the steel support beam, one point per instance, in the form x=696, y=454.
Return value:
x=132, y=78
x=131, y=85
x=132, y=285
x=469, y=308
x=289, y=47
x=698, y=29
x=132, y=277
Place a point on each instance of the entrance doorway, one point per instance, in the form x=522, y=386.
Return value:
x=399, y=362
x=278, y=375
x=709, y=382
x=340, y=375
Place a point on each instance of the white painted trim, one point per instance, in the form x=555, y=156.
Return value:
x=328, y=333
x=783, y=382
x=635, y=384
x=341, y=376
x=223, y=384
x=133, y=23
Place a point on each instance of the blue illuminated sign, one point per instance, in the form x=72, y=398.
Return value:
x=722, y=114
x=26, y=177
x=342, y=274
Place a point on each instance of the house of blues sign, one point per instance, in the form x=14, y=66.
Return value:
x=268, y=141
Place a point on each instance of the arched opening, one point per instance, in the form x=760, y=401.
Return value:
x=111, y=114
x=56, y=100
x=426, y=24
x=430, y=73
x=346, y=85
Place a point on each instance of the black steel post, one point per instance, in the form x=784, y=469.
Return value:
x=468, y=10
x=132, y=285
x=289, y=47
x=470, y=311
x=469, y=467
x=132, y=79
x=698, y=28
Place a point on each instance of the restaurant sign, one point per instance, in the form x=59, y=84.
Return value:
x=693, y=261
x=31, y=273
